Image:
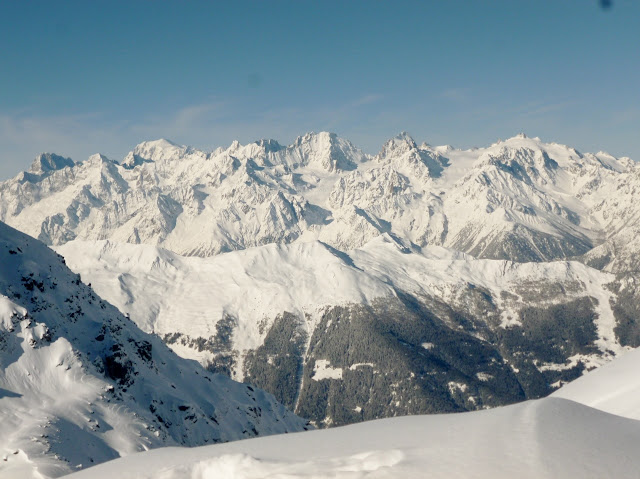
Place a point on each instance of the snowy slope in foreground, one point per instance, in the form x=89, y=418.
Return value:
x=81, y=384
x=536, y=439
x=613, y=388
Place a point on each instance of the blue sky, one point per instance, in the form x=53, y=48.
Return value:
x=95, y=76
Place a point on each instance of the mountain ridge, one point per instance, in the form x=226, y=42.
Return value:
x=519, y=199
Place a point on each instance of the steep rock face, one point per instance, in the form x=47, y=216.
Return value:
x=46, y=163
x=403, y=154
x=81, y=384
x=620, y=212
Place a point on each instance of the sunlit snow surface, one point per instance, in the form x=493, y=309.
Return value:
x=548, y=438
x=614, y=387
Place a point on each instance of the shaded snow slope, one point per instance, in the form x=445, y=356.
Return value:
x=548, y=438
x=81, y=384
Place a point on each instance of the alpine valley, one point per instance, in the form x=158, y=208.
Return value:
x=351, y=287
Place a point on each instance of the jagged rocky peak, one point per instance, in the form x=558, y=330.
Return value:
x=269, y=146
x=99, y=158
x=131, y=160
x=227, y=189
x=520, y=161
x=234, y=147
x=48, y=162
x=263, y=152
x=553, y=155
x=397, y=146
x=327, y=151
x=404, y=154
x=157, y=150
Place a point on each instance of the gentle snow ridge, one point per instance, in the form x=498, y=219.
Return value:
x=548, y=438
x=613, y=388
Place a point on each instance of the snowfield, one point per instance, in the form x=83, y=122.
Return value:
x=613, y=388
x=547, y=438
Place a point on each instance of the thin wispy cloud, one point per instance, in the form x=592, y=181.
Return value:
x=191, y=115
x=207, y=125
x=367, y=100
x=542, y=108
x=456, y=94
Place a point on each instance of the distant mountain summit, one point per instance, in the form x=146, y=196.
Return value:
x=519, y=199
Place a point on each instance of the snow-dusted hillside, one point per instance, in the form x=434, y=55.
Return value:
x=465, y=333
x=519, y=199
x=547, y=438
x=81, y=384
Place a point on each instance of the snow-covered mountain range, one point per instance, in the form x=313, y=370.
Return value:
x=422, y=279
x=81, y=384
x=519, y=199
